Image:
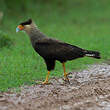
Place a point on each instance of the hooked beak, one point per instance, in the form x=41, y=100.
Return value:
x=19, y=28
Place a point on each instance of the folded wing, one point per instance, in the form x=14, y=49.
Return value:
x=54, y=49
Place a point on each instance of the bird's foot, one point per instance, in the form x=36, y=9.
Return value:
x=45, y=82
x=66, y=79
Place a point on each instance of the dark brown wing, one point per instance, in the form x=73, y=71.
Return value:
x=54, y=49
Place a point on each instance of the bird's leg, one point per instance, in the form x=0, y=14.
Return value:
x=65, y=74
x=46, y=80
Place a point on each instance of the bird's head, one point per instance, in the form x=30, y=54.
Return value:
x=26, y=26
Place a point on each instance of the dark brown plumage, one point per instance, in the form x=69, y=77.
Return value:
x=52, y=49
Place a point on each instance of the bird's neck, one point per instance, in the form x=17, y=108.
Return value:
x=34, y=33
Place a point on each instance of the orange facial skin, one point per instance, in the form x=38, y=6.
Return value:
x=20, y=27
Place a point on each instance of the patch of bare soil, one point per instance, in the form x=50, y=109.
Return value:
x=88, y=90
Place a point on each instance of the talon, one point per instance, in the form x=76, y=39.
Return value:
x=66, y=79
x=65, y=74
x=45, y=82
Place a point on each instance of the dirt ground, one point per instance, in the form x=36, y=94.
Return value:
x=88, y=90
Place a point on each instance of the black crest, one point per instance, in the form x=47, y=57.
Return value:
x=28, y=22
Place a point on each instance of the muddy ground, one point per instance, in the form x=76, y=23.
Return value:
x=88, y=90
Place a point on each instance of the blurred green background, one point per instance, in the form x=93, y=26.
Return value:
x=85, y=23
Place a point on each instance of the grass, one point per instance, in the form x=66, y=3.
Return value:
x=82, y=23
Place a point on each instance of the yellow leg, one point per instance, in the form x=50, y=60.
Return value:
x=65, y=74
x=46, y=80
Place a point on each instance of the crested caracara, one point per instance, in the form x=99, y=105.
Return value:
x=51, y=49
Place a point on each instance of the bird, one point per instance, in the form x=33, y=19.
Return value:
x=53, y=50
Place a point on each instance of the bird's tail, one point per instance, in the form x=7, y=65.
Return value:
x=94, y=54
